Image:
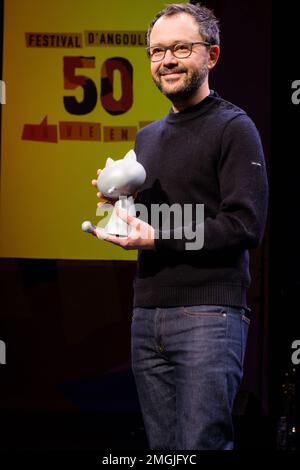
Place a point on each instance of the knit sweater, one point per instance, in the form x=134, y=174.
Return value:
x=208, y=154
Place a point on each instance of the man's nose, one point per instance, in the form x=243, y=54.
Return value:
x=169, y=58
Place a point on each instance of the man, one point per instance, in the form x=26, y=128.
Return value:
x=190, y=322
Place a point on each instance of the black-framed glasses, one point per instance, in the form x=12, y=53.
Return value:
x=181, y=50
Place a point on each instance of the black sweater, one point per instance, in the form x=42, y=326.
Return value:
x=209, y=154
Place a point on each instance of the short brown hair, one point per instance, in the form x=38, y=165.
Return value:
x=208, y=23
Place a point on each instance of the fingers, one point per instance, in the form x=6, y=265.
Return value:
x=130, y=219
x=105, y=203
x=99, y=194
x=94, y=181
x=115, y=240
x=101, y=234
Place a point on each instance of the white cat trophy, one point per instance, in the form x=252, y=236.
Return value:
x=119, y=180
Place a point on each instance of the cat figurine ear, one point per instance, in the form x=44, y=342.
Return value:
x=130, y=155
x=109, y=162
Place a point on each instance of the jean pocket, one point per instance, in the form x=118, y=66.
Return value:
x=205, y=310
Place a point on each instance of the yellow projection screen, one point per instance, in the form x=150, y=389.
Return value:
x=78, y=88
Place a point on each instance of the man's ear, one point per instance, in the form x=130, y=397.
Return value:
x=214, y=52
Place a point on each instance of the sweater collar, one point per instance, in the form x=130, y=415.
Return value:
x=194, y=111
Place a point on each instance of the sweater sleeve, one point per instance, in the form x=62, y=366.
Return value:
x=243, y=184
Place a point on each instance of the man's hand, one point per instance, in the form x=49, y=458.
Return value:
x=141, y=235
x=104, y=199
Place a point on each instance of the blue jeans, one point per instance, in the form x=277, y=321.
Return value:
x=188, y=366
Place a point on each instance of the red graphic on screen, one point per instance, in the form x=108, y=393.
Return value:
x=109, y=103
x=72, y=81
x=42, y=132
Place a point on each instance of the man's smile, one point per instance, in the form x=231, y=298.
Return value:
x=172, y=74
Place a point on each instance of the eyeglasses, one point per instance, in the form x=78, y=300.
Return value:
x=181, y=50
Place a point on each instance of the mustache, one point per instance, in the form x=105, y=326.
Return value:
x=167, y=70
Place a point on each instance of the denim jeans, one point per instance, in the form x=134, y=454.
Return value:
x=188, y=366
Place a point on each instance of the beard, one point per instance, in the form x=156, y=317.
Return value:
x=192, y=82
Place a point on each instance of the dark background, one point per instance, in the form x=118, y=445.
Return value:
x=67, y=383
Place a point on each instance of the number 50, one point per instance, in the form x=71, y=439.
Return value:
x=112, y=106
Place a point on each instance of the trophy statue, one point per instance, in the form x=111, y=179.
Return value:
x=119, y=180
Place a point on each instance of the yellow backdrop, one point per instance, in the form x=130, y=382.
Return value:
x=78, y=88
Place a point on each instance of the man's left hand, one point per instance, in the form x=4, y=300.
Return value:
x=141, y=234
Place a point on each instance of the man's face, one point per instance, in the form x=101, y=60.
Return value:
x=179, y=79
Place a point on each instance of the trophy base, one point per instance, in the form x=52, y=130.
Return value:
x=117, y=226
